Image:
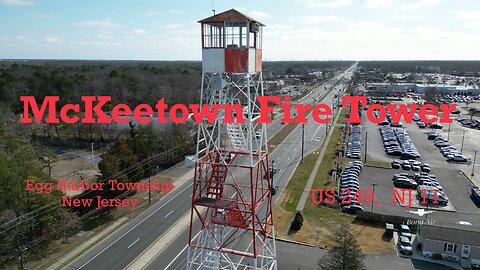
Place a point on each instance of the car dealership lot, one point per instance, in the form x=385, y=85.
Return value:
x=456, y=185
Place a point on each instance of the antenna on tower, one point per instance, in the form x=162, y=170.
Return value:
x=213, y=8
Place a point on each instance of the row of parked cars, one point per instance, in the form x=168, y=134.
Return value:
x=427, y=186
x=390, y=143
x=456, y=98
x=349, y=186
x=397, y=143
x=354, y=144
x=449, y=151
x=388, y=120
x=474, y=123
x=404, y=244
x=410, y=165
x=409, y=151
x=422, y=124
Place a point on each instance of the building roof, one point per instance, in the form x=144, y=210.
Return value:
x=229, y=15
x=447, y=86
x=461, y=234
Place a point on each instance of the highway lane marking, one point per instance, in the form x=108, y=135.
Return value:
x=133, y=242
x=169, y=213
x=176, y=257
x=319, y=126
x=131, y=229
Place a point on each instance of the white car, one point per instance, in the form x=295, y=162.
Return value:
x=425, y=189
x=457, y=158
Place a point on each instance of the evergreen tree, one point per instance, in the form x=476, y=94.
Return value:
x=345, y=254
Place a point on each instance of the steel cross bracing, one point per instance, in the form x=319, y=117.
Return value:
x=231, y=191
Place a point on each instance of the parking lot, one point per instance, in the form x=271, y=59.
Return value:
x=455, y=184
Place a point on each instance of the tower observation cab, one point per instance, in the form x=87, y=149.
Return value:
x=232, y=43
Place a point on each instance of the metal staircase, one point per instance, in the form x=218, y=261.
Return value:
x=235, y=134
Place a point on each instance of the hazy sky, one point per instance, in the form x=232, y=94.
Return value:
x=296, y=29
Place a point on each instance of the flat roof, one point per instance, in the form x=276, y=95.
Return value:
x=455, y=233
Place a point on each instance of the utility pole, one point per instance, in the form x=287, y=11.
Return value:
x=463, y=139
x=273, y=172
x=303, y=139
x=448, y=134
x=333, y=105
x=366, y=136
x=93, y=156
x=373, y=201
x=20, y=246
x=474, y=159
x=149, y=179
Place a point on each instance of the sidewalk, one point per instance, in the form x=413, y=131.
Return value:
x=311, y=178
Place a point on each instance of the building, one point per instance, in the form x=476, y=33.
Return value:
x=401, y=89
x=448, y=89
x=458, y=243
x=389, y=89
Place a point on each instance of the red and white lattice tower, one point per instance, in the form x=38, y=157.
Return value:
x=231, y=218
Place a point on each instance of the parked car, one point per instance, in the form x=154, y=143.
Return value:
x=406, y=165
x=404, y=245
x=352, y=208
x=425, y=168
x=404, y=230
x=395, y=164
x=455, y=112
x=436, y=126
x=432, y=135
x=434, y=197
x=457, y=158
x=404, y=183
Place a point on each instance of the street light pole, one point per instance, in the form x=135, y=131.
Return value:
x=273, y=171
x=303, y=139
x=463, y=139
x=474, y=159
x=366, y=136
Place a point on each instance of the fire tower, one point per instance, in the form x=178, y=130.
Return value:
x=232, y=190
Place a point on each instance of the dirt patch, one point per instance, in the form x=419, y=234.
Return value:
x=318, y=230
x=74, y=165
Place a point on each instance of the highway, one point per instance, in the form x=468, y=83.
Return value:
x=122, y=247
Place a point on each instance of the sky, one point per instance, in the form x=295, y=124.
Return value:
x=295, y=29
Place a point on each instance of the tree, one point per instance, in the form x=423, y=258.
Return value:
x=289, y=71
x=430, y=94
x=345, y=254
x=69, y=221
x=117, y=158
x=297, y=222
x=47, y=158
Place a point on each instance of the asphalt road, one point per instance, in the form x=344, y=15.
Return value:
x=286, y=155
